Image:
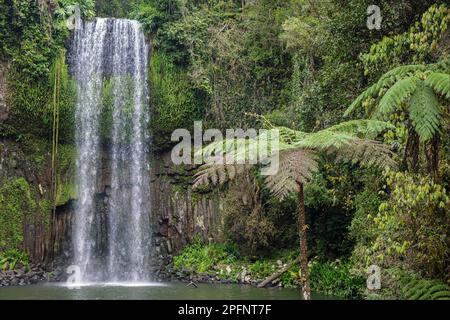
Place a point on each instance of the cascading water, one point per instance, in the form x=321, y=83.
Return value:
x=113, y=51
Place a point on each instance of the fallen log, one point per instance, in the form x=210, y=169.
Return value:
x=279, y=273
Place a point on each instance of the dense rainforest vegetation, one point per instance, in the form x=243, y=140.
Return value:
x=364, y=115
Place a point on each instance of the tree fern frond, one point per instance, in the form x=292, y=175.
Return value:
x=289, y=136
x=324, y=140
x=366, y=153
x=440, y=82
x=425, y=113
x=397, y=94
x=218, y=174
x=295, y=166
x=406, y=70
x=386, y=81
x=362, y=128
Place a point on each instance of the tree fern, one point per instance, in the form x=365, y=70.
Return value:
x=425, y=113
x=386, y=81
x=367, y=153
x=401, y=73
x=296, y=150
x=397, y=94
x=440, y=82
x=297, y=163
x=218, y=174
x=421, y=89
x=295, y=167
x=362, y=128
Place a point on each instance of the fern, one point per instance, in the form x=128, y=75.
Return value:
x=367, y=153
x=218, y=174
x=297, y=155
x=386, y=81
x=362, y=128
x=397, y=94
x=343, y=134
x=425, y=113
x=415, y=85
x=415, y=288
x=440, y=82
x=295, y=166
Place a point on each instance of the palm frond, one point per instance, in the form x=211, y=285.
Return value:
x=440, y=82
x=295, y=166
x=397, y=94
x=425, y=113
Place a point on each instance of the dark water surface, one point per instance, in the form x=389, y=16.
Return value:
x=149, y=291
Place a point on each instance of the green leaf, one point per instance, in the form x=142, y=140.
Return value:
x=425, y=113
x=440, y=82
x=397, y=94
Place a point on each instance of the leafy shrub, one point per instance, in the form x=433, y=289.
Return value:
x=11, y=259
x=336, y=279
x=200, y=258
x=225, y=261
x=361, y=229
x=411, y=226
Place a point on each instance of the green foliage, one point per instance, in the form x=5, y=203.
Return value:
x=411, y=286
x=417, y=45
x=409, y=85
x=87, y=8
x=175, y=104
x=10, y=259
x=366, y=205
x=336, y=279
x=33, y=31
x=330, y=35
x=31, y=103
x=202, y=259
x=411, y=226
x=225, y=262
x=17, y=202
x=66, y=185
x=114, y=8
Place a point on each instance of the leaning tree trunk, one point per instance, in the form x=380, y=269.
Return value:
x=302, y=228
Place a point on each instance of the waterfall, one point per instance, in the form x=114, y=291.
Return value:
x=112, y=51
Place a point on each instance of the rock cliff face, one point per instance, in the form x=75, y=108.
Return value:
x=178, y=215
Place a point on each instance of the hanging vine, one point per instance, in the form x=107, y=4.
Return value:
x=59, y=80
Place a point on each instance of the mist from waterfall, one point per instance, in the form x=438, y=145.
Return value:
x=112, y=51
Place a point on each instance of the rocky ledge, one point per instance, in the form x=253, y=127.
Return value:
x=25, y=276
x=170, y=274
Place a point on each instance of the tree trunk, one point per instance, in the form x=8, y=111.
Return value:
x=412, y=150
x=432, y=154
x=302, y=229
x=278, y=274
